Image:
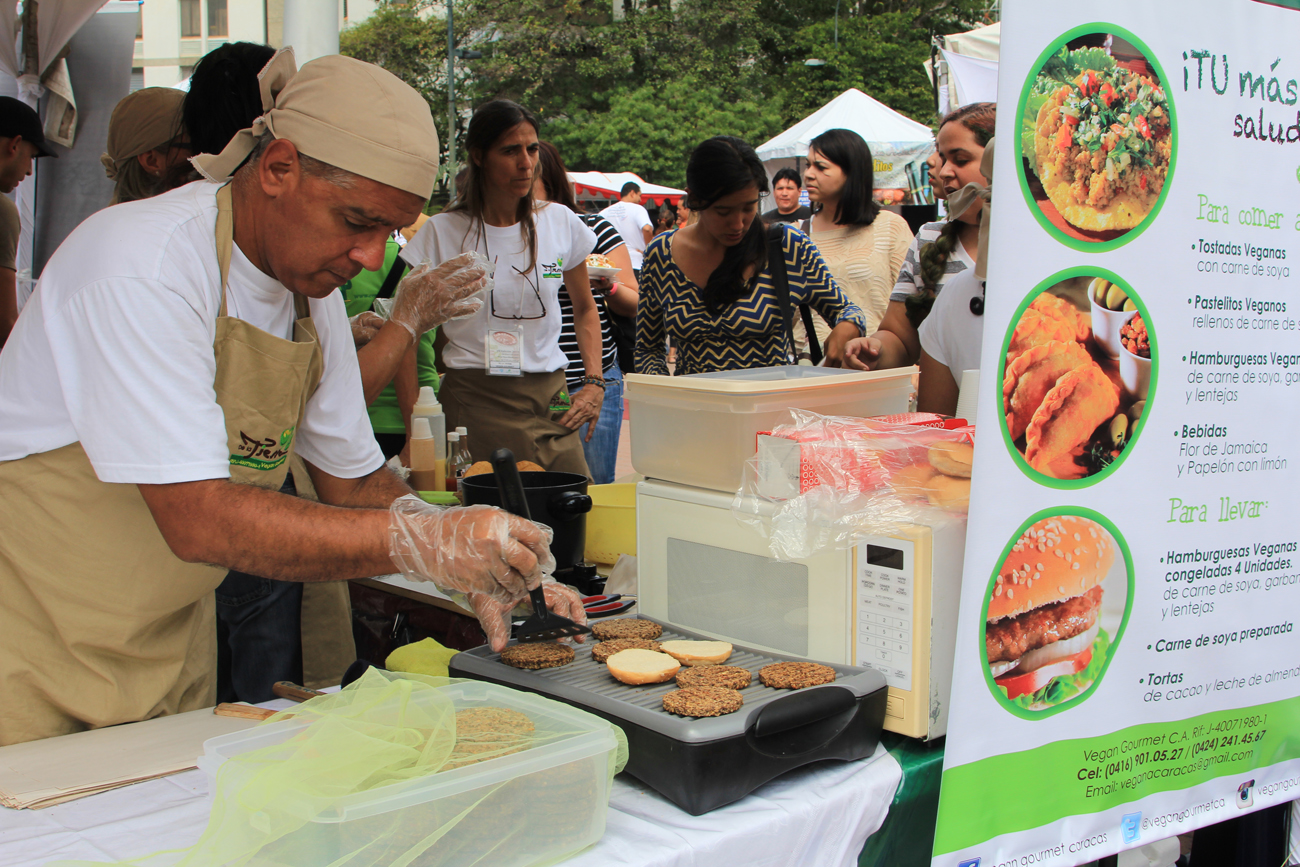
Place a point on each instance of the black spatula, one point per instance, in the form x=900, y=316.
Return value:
x=544, y=625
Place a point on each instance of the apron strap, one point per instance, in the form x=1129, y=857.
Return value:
x=225, y=238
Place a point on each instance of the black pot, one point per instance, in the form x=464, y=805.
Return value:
x=558, y=500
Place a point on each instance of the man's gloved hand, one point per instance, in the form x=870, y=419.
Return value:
x=472, y=550
x=494, y=615
x=429, y=296
x=365, y=325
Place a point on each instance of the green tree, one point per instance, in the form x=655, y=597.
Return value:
x=652, y=129
x=878, y=54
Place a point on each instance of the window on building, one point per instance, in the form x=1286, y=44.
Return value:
x=191, y=18
x=218, y=18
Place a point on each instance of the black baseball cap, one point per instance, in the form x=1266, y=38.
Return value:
x=19, y=118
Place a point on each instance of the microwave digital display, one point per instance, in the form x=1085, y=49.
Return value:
x=889, y=558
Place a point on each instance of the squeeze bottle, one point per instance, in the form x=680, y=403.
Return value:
x=427, y=407
x=425, y=473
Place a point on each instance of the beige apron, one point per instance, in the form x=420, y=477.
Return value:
x=99, y=622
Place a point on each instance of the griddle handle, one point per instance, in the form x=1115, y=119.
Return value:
x=801, y=708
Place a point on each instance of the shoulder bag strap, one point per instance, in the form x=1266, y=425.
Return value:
x=805, y=312
x=390, y=282
x=781, y=285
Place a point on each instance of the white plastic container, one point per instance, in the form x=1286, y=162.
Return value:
x=699, y=430
x=527, y=808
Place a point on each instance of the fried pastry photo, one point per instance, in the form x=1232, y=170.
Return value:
x=1064, y=401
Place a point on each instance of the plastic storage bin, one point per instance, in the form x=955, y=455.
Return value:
x=611, y=524
x=522, y=809
x=699, y=430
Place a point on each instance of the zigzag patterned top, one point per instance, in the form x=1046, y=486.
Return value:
x=749, y=333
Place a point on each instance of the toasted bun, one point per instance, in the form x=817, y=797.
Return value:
x=952, y=458
x=697, y=652
x=637, y=666
x=530, y=467
x=1056, y=559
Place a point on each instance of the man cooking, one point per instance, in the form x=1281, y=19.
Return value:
x=176, y=353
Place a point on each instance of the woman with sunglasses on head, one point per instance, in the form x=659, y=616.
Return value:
x=504, y=370
x=618, y=295
x=863, y=244
x=710, y=285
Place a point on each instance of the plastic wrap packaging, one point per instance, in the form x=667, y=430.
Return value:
x=827, y=482
x=469, y=549
x=356, y=779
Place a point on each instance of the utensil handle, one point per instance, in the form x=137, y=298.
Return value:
x=509, y=485
x=243, y=711
x=289, y=689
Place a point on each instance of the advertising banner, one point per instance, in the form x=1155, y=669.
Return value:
x=1128, y=662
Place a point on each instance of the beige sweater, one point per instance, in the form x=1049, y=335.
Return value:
x=865, y=261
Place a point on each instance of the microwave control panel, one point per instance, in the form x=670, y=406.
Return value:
x=885, y=594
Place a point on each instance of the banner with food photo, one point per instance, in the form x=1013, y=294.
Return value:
x=1126, y=648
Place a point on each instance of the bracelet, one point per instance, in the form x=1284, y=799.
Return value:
x=613, y=287
x=598, y=381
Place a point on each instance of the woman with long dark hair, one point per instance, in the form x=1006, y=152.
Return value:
x=504, y=370
x=941, y=249
x=710, y=286
x=863, y=244
x=618, y=295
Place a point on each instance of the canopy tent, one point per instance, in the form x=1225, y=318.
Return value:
x=967, y=67
x=601, y=186
x=899, y=144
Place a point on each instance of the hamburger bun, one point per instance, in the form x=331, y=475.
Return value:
x=952, y=459
x=481, y=467
x=636, y=666
x=697, y=652
x=1057, y=558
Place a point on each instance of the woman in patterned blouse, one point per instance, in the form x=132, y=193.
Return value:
x=708, y=285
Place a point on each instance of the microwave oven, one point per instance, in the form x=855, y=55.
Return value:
x=888, y=602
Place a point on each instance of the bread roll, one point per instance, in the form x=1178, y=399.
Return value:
x=1056, y=559
x=697, y=652
x=481, y=467
x=637, y=666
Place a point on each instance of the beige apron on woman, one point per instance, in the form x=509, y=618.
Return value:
x=99, y=622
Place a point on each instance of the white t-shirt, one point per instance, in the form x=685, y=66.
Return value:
x=952, y=335
x=115, y=350
x=630, y=219
x=520, y=296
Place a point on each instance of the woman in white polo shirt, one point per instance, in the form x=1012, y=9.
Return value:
x=504, y=369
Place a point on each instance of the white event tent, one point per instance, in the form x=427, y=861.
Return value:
x=899, y=144
x=967, y=67
x=605, y=187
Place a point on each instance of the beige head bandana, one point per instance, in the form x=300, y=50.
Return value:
x=960, y=202
x=142, y=121
x=341, y=111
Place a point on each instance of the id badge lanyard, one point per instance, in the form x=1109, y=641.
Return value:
x=503, y=344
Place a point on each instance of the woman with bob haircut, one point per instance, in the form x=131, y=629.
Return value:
x=863, y=244
x=504, y=368
x=710, y=287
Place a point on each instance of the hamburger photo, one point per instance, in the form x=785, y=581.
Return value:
x=1043, y=633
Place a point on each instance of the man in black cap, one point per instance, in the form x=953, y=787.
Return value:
x=21, y=140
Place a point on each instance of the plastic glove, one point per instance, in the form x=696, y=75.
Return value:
x=474, y=549
x=429, y=296
x=365, y=325
x=494, y=615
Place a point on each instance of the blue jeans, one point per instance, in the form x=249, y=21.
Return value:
x=259, y=633
x=602, y=451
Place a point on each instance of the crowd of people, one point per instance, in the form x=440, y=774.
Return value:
x=189, y=337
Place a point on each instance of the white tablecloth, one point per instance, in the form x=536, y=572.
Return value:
x=819, y=815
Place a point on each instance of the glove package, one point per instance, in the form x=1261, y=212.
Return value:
x=828, y=481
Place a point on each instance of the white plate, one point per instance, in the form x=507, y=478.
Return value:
x=611, y=273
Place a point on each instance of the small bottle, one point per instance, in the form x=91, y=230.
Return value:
x=424, y=463
x=427, y=407
x=464, y=442
x=453, y=455
x=462, y=462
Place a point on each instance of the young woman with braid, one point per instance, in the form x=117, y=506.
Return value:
x=940, y=249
